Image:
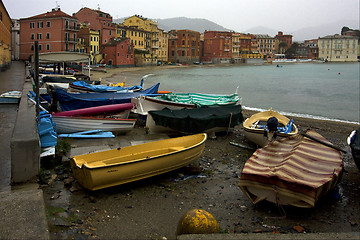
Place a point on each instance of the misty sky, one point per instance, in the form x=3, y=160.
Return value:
x=237, y=15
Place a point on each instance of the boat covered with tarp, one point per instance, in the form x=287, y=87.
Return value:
x=127, y=164
x=297, y=171
x=71, y=101
x=83, y=86
x=204, y=119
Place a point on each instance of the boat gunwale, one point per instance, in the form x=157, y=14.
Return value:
x=85, y=165
x=167, y=102
x=96, y=118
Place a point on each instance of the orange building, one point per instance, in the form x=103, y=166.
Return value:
x=184, y=46
x=5, y=37
x=55, y=31
x=285, y=42
x=217, y=46
x=99, y=21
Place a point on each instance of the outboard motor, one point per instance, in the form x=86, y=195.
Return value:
x=272, y=126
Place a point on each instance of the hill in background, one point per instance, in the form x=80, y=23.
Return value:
x=200, y=25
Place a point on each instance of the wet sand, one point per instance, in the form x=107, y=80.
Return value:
x=151, y=208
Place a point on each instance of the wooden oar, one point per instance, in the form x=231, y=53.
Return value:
x=322, y=142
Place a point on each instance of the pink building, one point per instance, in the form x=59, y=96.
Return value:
x=119, y=52
x=98, y=20
x=55, y=31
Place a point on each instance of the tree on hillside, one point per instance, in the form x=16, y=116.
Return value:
x=344, y=29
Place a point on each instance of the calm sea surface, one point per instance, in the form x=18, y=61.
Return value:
x=324, y=91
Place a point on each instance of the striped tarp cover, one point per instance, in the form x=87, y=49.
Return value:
x=292, y=171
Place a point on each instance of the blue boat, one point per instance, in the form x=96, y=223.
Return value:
x=73, y=101
x=83, y=86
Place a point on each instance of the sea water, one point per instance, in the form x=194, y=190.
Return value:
x=323, y=91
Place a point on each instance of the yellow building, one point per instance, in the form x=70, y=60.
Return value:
x=162, y=51
x=152, y=41
x=91, y=40
x=5, y=38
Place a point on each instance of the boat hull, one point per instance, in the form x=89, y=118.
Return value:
x=257, y=135
x=113, y=108
x=118, y=166
x=144, y=104
x=66, y=124
x=295, y=171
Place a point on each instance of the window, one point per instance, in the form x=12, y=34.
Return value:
x=48, y=24
x=32, y=36
x=47, y=46
x=32, y=25
x=110, y=32
x=47, y=35
x=39, y=36
x=32, y=47
x=40, y=24
x=40, y=47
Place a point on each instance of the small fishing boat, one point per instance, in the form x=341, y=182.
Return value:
x=257, y=127
x=204, y=119
x=67, y=124
x=175, y=101
x=122, y=165
x=121, y=110
x=10, y=97
x=297, y=171
x=354, y=142
x=71, y=101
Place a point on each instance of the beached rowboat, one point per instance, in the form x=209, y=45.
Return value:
x=67, y=124
x=118, y=166
x=256, y=127
x=297, y=170
x=176, y=101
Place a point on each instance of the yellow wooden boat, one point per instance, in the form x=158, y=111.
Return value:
x=118, y=166
x=256, y=129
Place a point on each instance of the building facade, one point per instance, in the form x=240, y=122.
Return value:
x=217, y=47
x=184, y=46
x=266, y=45
x=339, y=48
x=98, y=21
x=15, y=39
x=119, y=52
x=313, y=49
x=285, y=42
x=5, y=38
x=55, y=31
x=91, y=43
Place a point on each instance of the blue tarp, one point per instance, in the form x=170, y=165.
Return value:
x=102, y=88
x=47, y=130
x=72, y=101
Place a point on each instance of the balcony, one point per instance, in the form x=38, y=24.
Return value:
x=71, y=40
x=71, y=28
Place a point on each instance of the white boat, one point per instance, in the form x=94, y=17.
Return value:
x=176, y=101
x=67, y=124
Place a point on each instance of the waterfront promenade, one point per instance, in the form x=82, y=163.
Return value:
x=21, y=206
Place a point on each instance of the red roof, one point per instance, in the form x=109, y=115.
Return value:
x=55, y=13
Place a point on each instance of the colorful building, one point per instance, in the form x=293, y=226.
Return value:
x=5, y=38
x=266, y=45
x=285, y=42
x=184, y=46
x=55, y=31
x=98, y=21
x=217, y=47
x=91, y=43
x=119, y=52
x=339, y=48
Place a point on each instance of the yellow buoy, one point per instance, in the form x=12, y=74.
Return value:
x=197, y=221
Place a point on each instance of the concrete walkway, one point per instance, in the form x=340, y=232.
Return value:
x=22, y=207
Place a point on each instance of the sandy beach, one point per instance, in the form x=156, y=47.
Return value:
x=151, y=208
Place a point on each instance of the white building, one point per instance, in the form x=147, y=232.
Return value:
x=339, y=48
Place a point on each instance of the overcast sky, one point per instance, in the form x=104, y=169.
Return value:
x=237, y=15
